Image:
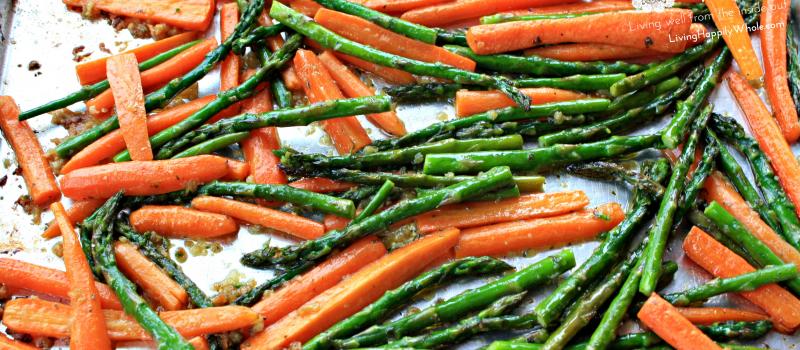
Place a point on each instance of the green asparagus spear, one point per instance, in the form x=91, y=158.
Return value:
x=665, y=69
x=541, y=66
x=466, y=302
x=632, y=341
x=733, y=330
x=212, y=145
x=742, y=283
x=376, y=201
x=87, y=92
x=312, y=250
x=280, y=93
x=506, y=17
x=360, y=192
x=794, y=64
x=698, y=180
x=399, y=26
x=331, y=40
x=659, y=232
x=162, y=96
x=453, y=36
x=255, y=36
x=422, y=92
x=643, y=96
x=608, y=171
x=538, y=158
x=254, y=295
x=574, y=82
x=393, y=299
x=503, y=193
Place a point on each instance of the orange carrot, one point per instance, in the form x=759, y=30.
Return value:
x=300, y=290
x=782, y=307
x=769, y=137
x=40, y=279
x=11, y=344
x=76, y=213
x=90, y=332
x=368, y=33
x=353, y=293
x=588, y=52
x=258, y=147
x=321, y=185
x=93, y=71
x=774, y=16
x=527, y=206
x=718, y=189
x=515, y=236
x=346, y=133
x=185, y=14
x=729, y=20
x=292, y=224
x=306, y=7
x=663, y=319
x=400, y=6
x=199, y=343
x=142, y=178
x=46, y=318
x=474, y=102
x=391, y=75
x=455, y=11
x=36, y=169
x=229, y=68
x=711, y=315
x=578, y=7
x=237, y=170
x=637, y=29
x=352, y=86
x=288, y=74
x=333, y=222
x=147, y=275
x=123, y=76
x=177, y=221
x=157, y=76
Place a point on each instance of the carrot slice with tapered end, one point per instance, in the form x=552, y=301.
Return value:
x=730, y=22
x=774, y=15
x=300, y=290
x=769, y=137
x=782, y=307
x=391, y=75
x=46, y=318
x=76, y=213
x=292, y=224
x=368, y=33
x=36, y=169
x=230, y=66
x=354, y=293
x=185, y=14
x=149, y=277
x=455, y=11
x=11, y=344
x=177, y=221
x=577, y=7
x=638, y=29
x=352, y=86
x=321, y=185
x=527, y=206
x=711, y=315
x=102, y=104
x=474, y=102
x=400, y=6
x=663, y=319
x=123, y=76
x=90, y=332
x=539, y=233
x=93, y=71
x=44, y=280
x=142, y=178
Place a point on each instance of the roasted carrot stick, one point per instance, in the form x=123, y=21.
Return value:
x=663, y=319
x=589, y=52
x=292, y=224
x=729, y=20
x=93, y=71
x=400, y=6
x=352, y=86
x=578, y=7
x=76, y=213
x=334, y=222
x=321, y=185
x=774, y=16
x=229, y=68
x=354, y=293
x=368, y=33
x=11, y=344
x=515, y=236
x=474, y=102
x=528, y=206
x=177, y=221
x=635, y=29
x=288, y=74
x=391, y=75
x=258, y=147
x=142, y=178
x=346, y=133
x=186, y=14
x=782, y=307
x=718, y=189
x=149, y=277
x=237, y=170
x=40, y=279
x=769, y=136
x=157, y=76
x=36, y=169
x=300, y=290
x=46, y=318
x=123, y=76
x=455, y=11
x=711, y=315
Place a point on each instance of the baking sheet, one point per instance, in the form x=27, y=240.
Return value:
x=42, y=30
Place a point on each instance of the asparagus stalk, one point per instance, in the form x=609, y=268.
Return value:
x=422, y=92
x=87, y=92
x=506, y=17
x=359, y=193
x=741, y=283
x=376, y=201
x=162, y=96
x=632, y=341
x=212, y=145
x=793, y=57
x=538, y=158
x=254, y=295
x=733, y=330
x=324, y=203
x=280, y=93
x=255, y=36
x=503, y=193
x=644, y=96
x=331, y=40
x=609, y=171
x=699, y=176
x=453, y=36
x=316, y=249
x=541, y=66
x=659, y=232
x=391, y=300
x=466, y=302
x=399, y=26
